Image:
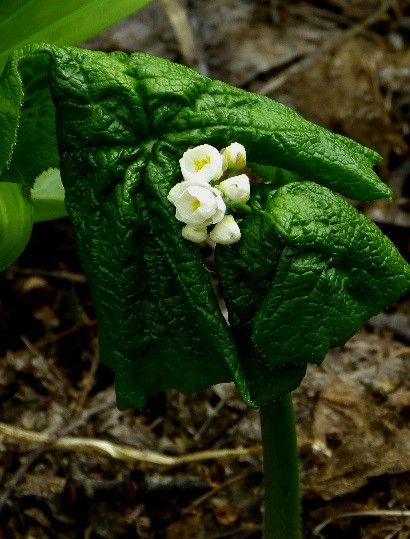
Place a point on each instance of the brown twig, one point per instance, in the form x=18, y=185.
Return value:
x=88, y=382
x=45, y=341
x=212, y=492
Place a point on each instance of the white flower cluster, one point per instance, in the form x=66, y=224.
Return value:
x=199, y=204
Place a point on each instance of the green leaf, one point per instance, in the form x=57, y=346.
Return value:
x=309, y=271
x=47, y=197
x=336, y=271
x=160, y=325
x=122, y=124
x=276, y=136
x=60, y=23
x=277, y=177
x=246, y=271
x=27, y=121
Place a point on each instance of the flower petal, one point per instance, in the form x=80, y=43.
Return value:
x=203, y=163
x=196, y=204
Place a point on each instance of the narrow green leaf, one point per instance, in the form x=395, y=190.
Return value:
x=16, y=222
x=60, y=23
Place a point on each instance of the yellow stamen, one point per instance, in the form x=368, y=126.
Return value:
x=200, y=163
x=195, y=204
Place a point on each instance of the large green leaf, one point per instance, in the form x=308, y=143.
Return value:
x=122, y=124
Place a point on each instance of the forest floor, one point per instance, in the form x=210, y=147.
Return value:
x=344, y=64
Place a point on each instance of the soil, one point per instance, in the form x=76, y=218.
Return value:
x=344, y=64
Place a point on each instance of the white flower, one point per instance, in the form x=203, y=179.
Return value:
x=226, y=231
x=237, y=188
x=203, y=163
x=197, y=234
x=197, y=203
x=234, y=156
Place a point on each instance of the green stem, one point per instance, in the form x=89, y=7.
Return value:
x=281, y=468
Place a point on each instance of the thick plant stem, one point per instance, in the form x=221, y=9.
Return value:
x=281, y=469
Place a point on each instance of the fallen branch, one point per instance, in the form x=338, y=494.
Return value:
x=120, y=451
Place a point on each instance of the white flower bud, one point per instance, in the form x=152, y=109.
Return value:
x=197, y=203
x=236, y=188
x=197, y=234
x=203, y=163
x=234, y=156
x=226, y=231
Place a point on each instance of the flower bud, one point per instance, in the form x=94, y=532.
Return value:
x=226, y=231
x=236, y=188
x=197, y=234
x=203, y=163
x=234, y=156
